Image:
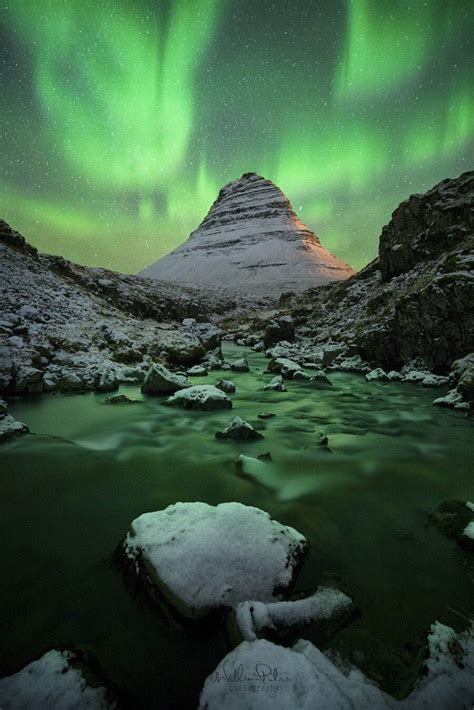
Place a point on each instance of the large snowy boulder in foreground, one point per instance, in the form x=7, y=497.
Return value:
x=206, y=397
x=251, y=242
x=259, y=675
x=201, y=557
x=159, y=380
x=52, y=682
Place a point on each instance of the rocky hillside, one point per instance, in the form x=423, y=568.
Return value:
x=73, y=328
x=414, y=304
x=251, y=241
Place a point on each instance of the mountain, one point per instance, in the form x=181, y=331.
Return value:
x=414, y=303
x=251, y=241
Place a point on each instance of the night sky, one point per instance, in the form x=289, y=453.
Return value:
x=121, y=120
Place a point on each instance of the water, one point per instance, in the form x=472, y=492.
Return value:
x=68, y=495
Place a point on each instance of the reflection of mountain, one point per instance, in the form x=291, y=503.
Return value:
x=251, y=241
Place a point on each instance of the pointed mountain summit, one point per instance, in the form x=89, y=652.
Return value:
x=251, y=241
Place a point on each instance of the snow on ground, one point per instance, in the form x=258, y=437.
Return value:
x=258, y=675
x=51, y=683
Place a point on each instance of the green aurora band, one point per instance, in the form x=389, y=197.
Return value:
x=124, y=119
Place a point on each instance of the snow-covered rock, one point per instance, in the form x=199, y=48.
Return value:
x=201, y=557
x=319, y=379
x=301, y=376
x=226, y=386
x=254, y=618
x=454, y=518
x=276, y=384
x=53, y=682
x=239, y=430
x=197, y=371
x=206, y=397
x=261, y=675
x=453, y=399
x=240, y=365
x=105, y=379
x=10, y=427
x=377, y=374
x=284, y=367
x=251, y=241
x=160, y=380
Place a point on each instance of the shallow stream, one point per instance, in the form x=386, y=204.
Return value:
x=69, y=493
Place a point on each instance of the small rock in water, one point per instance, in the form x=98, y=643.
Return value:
x=10, y=428
x=320, y=379
x=455, y=518
x=226, y=386
x=240, y=365
x=302, y=376
x=265, y=457
x=322, y=439
x=266, y=415
x=159, y=380
x=205, y=397
x=197, y=371
x=284, y=367
x=276, y=384
x=120, y=399
x=239, y=430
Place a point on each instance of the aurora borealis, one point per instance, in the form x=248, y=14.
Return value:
x=121, y=120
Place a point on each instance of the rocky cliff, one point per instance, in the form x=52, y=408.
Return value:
x=251, y=241
x=415, y=302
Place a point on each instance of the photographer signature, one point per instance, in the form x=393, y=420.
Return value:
x=262, y=672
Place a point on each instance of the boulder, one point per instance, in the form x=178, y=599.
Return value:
x=239, y=430
x=302, y=376
x=466, y=384
x=159, y=380
x=200, y=557
x=284, y=367
x=276, y=385
x=455, y=519
x=258, y=619
x=282, y=328
x=240, y=365
x=205, y=397
x=209, y=334
x=28, y=380
x=226, y=386
x=105, y=379
x=6, y=369
x=69, y=383
x=120, y=399
x=320, y=379
x=196, y=371
x=377, y=374
x=59, y=680
x=10, y=427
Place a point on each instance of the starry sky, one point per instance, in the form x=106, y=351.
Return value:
x=121, y=120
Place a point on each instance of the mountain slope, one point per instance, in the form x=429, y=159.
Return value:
x=251, y=241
